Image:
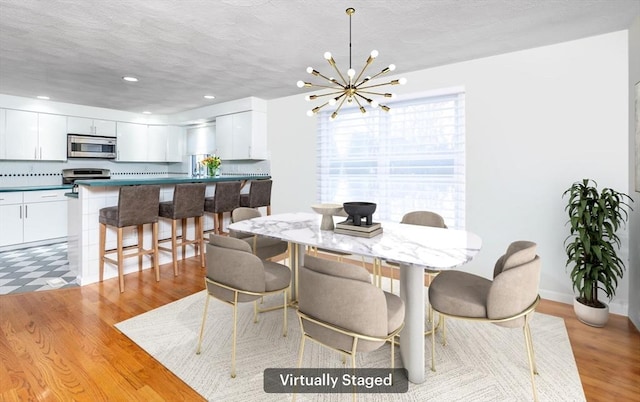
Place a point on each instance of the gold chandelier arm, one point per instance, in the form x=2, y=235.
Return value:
x=339, y=87
x=316, y=96
x=362, y=109
x=317, y=108
x=394, y=82
x=332, y=62
x=385, y=94
x=319, y=74
x=335, y=113
x=384, y=71
x=369, y=61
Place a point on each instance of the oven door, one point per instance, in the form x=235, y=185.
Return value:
x=79, y=146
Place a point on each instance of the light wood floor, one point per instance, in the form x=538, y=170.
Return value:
x=61, y=345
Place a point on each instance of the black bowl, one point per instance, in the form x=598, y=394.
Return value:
x=359, y=210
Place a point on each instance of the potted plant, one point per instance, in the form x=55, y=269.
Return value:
x=591, y=247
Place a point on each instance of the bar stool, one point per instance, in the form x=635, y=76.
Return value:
x=137, y=205
x=226, y=198
x=259, y=195
x=188, y=202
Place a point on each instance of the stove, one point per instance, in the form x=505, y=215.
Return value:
x=69, y=176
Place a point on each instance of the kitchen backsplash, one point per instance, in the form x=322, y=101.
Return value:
x=43, y=173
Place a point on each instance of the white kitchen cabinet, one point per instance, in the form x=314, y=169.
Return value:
x=176, y=144
x=3, y=127
x=132, y=142
x=21, y=135
x=11, y=212
x=242, y=135
x=52, y=137
x=83, y=125
x=34, y=136
x=142, y=143
x=32, y=216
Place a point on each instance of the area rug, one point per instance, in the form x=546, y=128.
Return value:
x=481, y=362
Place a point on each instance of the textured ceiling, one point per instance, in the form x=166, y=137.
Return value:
x=76, y=51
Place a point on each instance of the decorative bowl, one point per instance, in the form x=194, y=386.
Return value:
x=359, y=210
x=327, y=211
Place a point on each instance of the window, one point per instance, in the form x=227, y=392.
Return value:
x=412, y=158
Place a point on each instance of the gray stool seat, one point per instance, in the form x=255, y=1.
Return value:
x=137, y=206
x=259, y=195
x=226, y=198
x=188, y=202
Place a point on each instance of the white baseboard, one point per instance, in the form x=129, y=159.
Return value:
x=614, y=307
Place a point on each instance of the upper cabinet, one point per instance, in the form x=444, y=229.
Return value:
x=132, y=142
x=148, y=143
x=242, y=135
x=82, y=125
x=34, y=136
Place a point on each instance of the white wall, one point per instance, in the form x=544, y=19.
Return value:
x=537, y=120
x=634, y=226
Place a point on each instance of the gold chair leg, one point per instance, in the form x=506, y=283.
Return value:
x=444, y=330
x=235, y=331
x=532, y=364
x=284, y=324
x=201, y=240
x=255, y=311
x=204, y=319
x=433, y=351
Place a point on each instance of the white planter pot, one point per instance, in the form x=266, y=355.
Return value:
x=595, y=317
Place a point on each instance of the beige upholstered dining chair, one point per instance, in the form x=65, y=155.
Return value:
x=262, y=246
x=339, y=308
x=235, y=275
x=509, y=300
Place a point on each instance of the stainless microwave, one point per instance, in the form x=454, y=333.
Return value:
x=89, y=146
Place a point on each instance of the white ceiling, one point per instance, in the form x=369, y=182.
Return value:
x=76, y=51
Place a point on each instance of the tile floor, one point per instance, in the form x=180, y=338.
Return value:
x=34, y=269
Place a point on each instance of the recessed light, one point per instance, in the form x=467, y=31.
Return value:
x=146, y=112
x=130, y=79
x=209, y=97
x=43, y=97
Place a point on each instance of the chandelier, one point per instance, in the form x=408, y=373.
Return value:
x=353, y=88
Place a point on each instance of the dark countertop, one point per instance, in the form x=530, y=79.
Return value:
x=36, y=188
x=172, y=179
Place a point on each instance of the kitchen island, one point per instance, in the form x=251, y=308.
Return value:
x=90, y=196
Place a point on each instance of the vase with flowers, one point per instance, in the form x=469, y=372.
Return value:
x=213, y=165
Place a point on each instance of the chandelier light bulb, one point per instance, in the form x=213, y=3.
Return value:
x=327, y=55
x=300, y=84
x=309, y=113
x=374, y=54
x=392, y=67
x=307, y=98
x=374, y=104
x=310, y=70
x=351, y=73
x=332, y=101
x=402, y=81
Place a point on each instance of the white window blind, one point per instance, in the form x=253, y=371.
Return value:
x=410, y=159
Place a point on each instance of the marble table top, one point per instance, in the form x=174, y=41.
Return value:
x=428, y=247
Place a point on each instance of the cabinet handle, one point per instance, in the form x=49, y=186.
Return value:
x=50, y=196
x=40, y=152
x=26, y=212
x=20, y=211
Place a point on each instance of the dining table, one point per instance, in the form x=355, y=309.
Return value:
x=414, y=248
